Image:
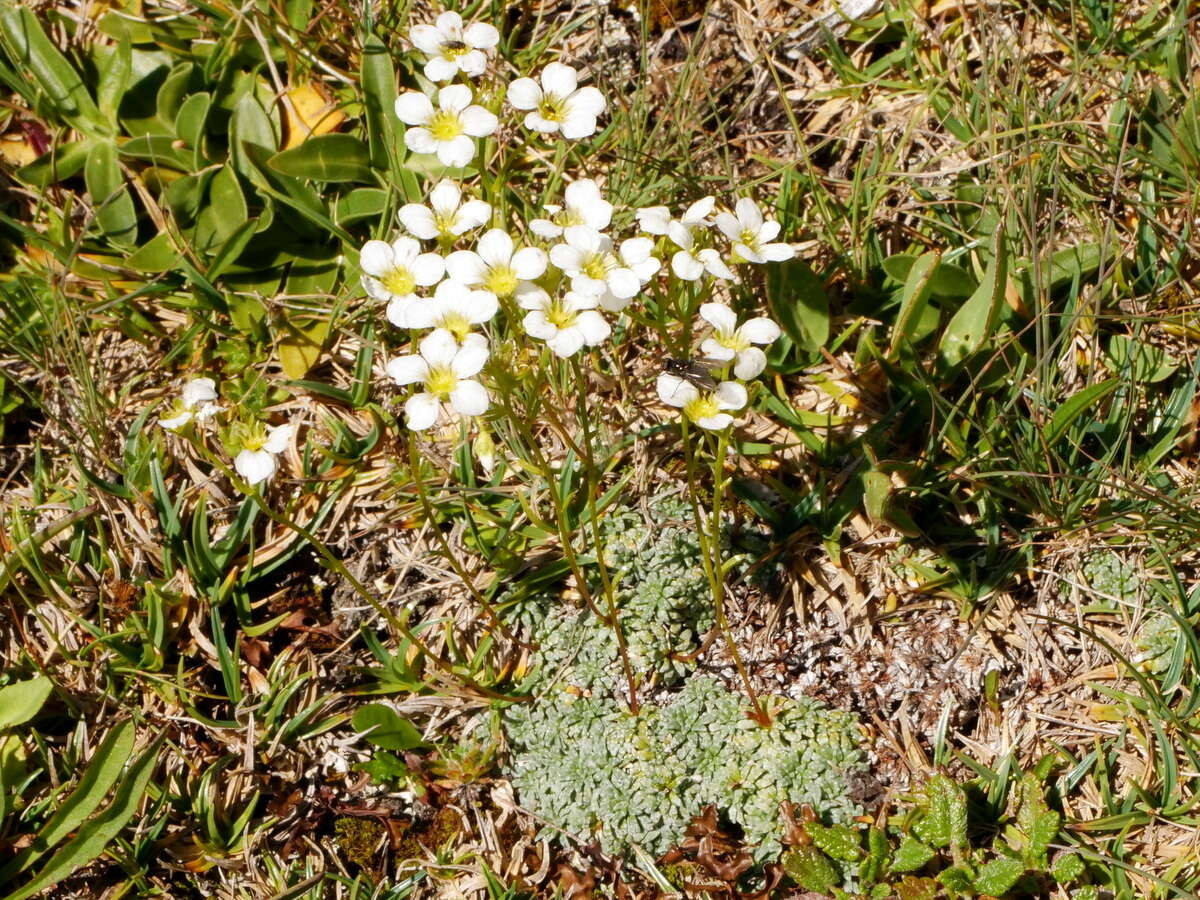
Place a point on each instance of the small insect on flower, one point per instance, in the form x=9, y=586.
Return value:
x=697, y=372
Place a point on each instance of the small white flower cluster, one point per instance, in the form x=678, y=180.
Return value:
x=255, y=460
x=598, y=272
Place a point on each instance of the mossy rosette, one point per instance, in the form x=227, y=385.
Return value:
x=585, y=764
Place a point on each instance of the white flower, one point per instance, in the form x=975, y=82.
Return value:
x=729, y=342
x=394, y=271
x=446, y=216
x=751, y=236
x=705, y=408
x=688, y=263
x=657, y=219
x=452, y=48
x=588, y=257
x=494, y=267
x=556, y=104
x=450, y=130
x=453, y=307
x=256, y=461
x=567, y=324
x=197, y=401
x=445, y=369
x=583, y=205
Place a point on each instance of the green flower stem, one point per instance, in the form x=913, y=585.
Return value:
x=591, y=485
x=709, y=535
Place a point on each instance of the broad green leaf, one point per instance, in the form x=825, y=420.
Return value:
x=378, y=78
x=224, y=211
x=359, y=204
x=95, y=783
x=838, y=841
x=251, y=137
x=913, y=300
x=911, y=888
x=115, y=212
x=1067, y=868
x=911, y=855
x=997, y=876
x=1146, y=363
x=95, y=835
x=944, y=823
x=959, y=879
x=811, y=869
x=950, y=281
x=55, y=77
x=21, y=701
x=388, y=730
x=191, y=119
x=326, y=157
x=171, y=96
x=56, y=164
x=429, y=166
x=1037, y=822
x=1074, y=406
x=976, y=319
x=877, y=487
x=156, y=255
x=228, y=253
x=114, y=79
x=159, y=149
x=300, y=346
x=798, y=300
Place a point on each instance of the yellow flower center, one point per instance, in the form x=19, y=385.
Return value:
x=457, y=324
x=441, y=381
x=444, y=220
x=552, y=108
x=501, y=281
x=596, y=267
x=733, y=341
x=704, y=406
x=568, y=217
x=560, y=316
x=750, y=238
x=454, y=49
x=445, y=125
x=399, y=281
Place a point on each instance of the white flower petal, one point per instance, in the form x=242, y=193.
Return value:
x=469, y=359
x=714, y=349
x=529, y=263
x=567, y=258
x=495, y=248
x=473, y=63
x=255, y=465
x=646, y=269
x=407, y=369
x=421, y=410
x=438, y=348
x=197, y=391
x=544, y=228
x=524, y=93
x=730, y=395
x=450, y=25
x=438, y=68
x=419, y=140
x=455, y=97
x=567, y=342
x=427, y=269
x=714, y=265
x=720, y=316
x=610, y=302
x=538, y=326
x=375, y=258
x=470, y=398
x=577, y=124
x=593, y=326
x=749, y=255
x=278, y=437
x=728, y=225
x=686, y=266
x=653, y=219
x=749, y=215
x=680, y=235
x=414, y=108
x=418, y=220
x=426, y=38
x=466, y=266
x=636, y=250
x=456, y=152
x=698, y=211
x=768, y=232
x=445, y=196
x=481, y=36
x=530, y=296
x=675, y=391
x=588, y=101
x=750, y=363
x=177, y=421
x=535, y=122
x=760, y=331
x=481, y=306
x=777, y=252
x=472, y=214
x=411, y=312
x=478, y=122
x=624, y=282
x=715, y=423
x=559, y=79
